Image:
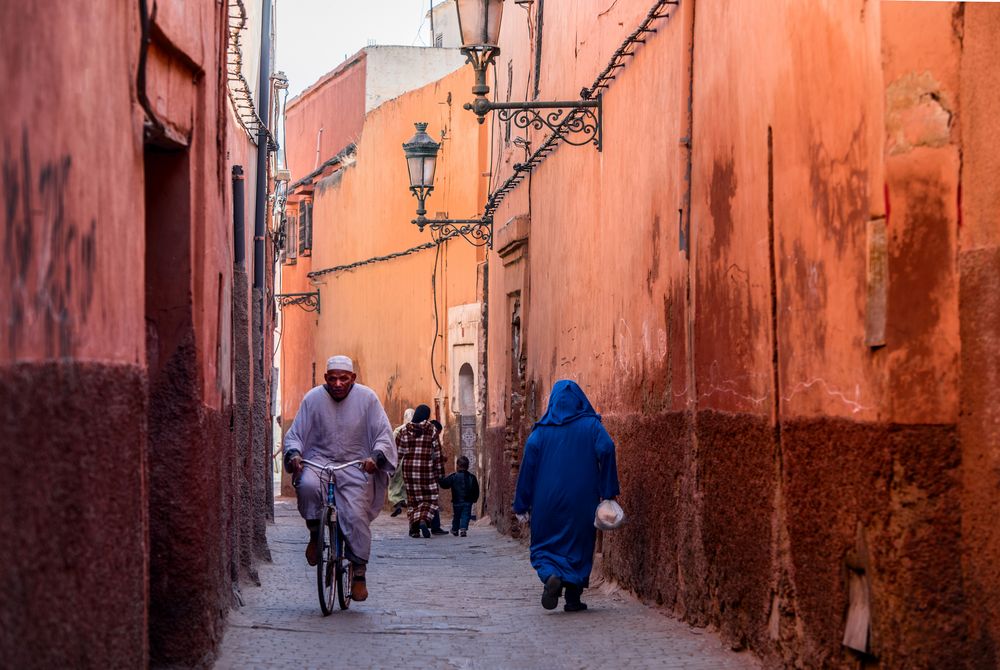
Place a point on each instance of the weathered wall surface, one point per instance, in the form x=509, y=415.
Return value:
x=979, y=323
x=116, y=362
x=759, y=281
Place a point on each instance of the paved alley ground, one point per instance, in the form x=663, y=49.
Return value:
x=449, y=602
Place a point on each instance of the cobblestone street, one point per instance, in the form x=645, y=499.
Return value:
x=448, y=602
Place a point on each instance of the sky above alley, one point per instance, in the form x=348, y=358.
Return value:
x=314, y=36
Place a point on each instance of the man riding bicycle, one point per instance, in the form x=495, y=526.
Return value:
x=337, y=422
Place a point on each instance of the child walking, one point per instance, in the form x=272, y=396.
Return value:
x=464, y=492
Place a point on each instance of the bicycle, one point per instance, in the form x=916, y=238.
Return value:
x=334, y=572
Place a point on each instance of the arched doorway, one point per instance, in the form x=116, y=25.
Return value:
x=467, y=413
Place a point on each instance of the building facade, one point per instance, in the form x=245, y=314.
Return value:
x=777, y=283
x=135, y=501
x=409, y=322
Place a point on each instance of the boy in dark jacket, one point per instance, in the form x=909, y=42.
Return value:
x=464, y=492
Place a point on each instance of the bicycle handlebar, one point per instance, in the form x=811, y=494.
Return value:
x=330, y=467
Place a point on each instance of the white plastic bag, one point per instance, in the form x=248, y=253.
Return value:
x=609, y=516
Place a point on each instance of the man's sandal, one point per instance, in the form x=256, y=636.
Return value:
x=312, y=552
x=359, y=590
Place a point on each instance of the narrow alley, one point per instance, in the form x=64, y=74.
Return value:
x=450, y=602
x=730, y=268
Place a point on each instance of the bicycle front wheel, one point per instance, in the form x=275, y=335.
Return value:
x=345, y=575
x=326, y=568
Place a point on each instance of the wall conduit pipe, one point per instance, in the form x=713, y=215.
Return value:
x=263, y=98
x=239, y=217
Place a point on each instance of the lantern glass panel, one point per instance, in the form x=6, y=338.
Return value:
x=415, y=166
x=479, y=21
x=421, y=169
x=430, y=163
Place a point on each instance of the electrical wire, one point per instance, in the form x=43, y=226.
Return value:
x=437, y=326
x=387, y=257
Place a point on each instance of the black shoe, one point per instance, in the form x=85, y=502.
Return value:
x=454, y=532
x=414, y=530
x=462, y=532
x=438, y=531
x=573, y=604
x=551, y=592
x=424, y=530
x=397, y=511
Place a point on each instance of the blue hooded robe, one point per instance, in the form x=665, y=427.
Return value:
x=568, y=468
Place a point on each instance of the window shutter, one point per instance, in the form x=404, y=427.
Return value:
x=303, y=218
x=292, y=243
x=308, y=228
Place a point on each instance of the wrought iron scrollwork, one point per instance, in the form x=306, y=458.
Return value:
x=307, y=301
x=476, y=232
x=573, y=125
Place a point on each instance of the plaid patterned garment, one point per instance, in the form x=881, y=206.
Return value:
x=423, y=464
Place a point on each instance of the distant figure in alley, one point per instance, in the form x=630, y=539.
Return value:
x=423, y=466
x=397, y=487
x=464, y=494
x=337, y=422
x=568, y=468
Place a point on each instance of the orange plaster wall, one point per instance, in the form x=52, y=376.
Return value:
x=923, y=154
x=606, y=273
x=298, y=330
x=821, y=108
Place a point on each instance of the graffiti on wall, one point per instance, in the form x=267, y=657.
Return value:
x=49, y=258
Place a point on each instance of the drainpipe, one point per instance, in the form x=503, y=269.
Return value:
x=239, y=215
x=263, y=107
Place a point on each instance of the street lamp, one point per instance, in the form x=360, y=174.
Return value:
x=480, y=32
x=421, y=162
x=576, y=122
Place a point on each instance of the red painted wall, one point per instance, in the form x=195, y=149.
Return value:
x=116, y=366
x=782, y=410
x=335, y=104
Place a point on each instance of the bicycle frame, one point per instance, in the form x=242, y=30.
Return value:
x=332, y=570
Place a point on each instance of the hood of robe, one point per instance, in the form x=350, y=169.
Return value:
x=567, y=403
x=422, y=428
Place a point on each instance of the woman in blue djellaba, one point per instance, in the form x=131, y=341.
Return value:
x=568, y=468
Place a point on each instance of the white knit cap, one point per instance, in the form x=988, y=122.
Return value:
x=340, y=363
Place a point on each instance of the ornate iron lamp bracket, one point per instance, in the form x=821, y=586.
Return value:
x=307, y=301
x=477, y=232
x=575, y=122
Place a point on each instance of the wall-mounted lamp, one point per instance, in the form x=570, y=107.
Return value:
x=421, y=162
x=577, y=122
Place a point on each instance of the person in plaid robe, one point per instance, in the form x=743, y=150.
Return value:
x=423, y=465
